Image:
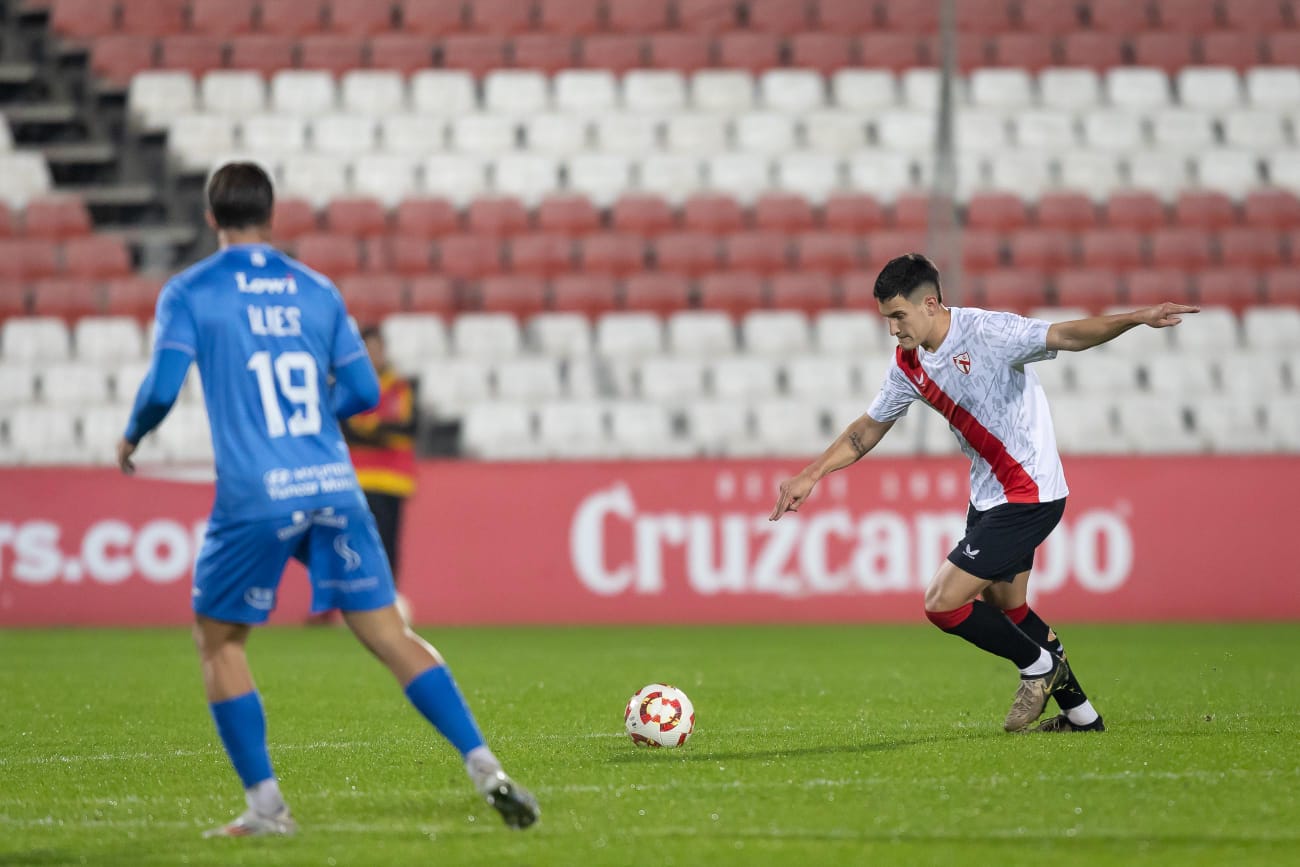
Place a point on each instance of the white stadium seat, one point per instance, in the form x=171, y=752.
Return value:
x=1161, y=173
x=17, y=383
x=303, y=92
x=1104, y=374
x=740, y=175
x=1137, y=88
x=484, y=134
x=232, y=93
x=585, y=93
x=499, y=431
x=489, y=336
x=792, y=91
x=573, y=429
x=701, y=333
x=600, y=177
x=1180, y=375
x=920, y=89
x=155, y=96
x=1069, y=88
x=1046, y=129
x=386, y=177
x=315, y=177
x=864, y=89
x=450, y=386
x=1212, y=331
x=108, y=339
x=722, y=91
x=411, y=339
x=1053, y=376
x=644, y=430
x=528, y=176
x=981, y=131
x=1113, y=130
x=907, y=130
x=555, y=134
x=127, y=377
x=1187, y=130
x=696, y=134
x=529, y=380
x=813, y=176
x=1001, y=88
x=630, y=134
x=560, y=335
x=184, y=435
x=1027, y=173
x=375, y=92
x=34, y=339
x=456, y=177
x=275, y=135
x=883, y=174
x=1257, y=375
x=1212, y=87
x=1284, y=422
x=515, y=92
x=1232, y=172
x=1092, y=172
x=629, y=335
x=717, y=427
x=1271, y=328
x=673, y=176
x=744, y=377
x=1275, y=87
x=848, y=333
x=1254, y=129
x=837, y=132
x=655, y=91
x=1085, y=425
x=74, y=384
x=819, y=378
x=767, y=132
x=1233, y=424
x=43, y=435
x=671, y=379
x=345, y=134
x=414, y=134
x=788, y=428
x=1152, y=425
x=443, y=92
x=101, y=428
x=23, y=176
x=780, y=333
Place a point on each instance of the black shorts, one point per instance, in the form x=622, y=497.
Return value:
x=1000, y=542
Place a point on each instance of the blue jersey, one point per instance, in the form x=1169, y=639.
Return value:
x=266, y=333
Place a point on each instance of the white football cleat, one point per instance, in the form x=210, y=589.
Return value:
x=252, y=824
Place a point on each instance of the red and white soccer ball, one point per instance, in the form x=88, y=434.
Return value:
x=659, y=715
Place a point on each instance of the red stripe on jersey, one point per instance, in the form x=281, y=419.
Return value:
x=1017, y=484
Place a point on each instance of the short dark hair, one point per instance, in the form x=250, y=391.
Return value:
x=904, y=274
x=371, y=331
x=240, y=196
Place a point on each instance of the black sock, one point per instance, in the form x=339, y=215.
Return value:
x=988, y=629
x=1069, y=694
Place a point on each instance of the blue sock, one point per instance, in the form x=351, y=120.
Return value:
x=242, y=726
x=436, y=696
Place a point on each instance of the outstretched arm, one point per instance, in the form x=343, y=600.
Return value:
x=1081, y=334
x=857, y=439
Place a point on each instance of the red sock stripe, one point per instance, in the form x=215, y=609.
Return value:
x=1015, y=615
x=948, y=619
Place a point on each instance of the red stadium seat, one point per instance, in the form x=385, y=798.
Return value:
x=783, y=212
x=1284, y=48
x=687, y=253
x=332, y=52
x=1153, y=285
x=545, y=52
x=853, y=212
x=911, y=211
x=759, y=251
x=152, y=17
x=1049, y=16
x=83, y=19
x=543, y=254
x=54, y=217
x=685, y=52
x=734, y=292
x=360, y=17
x=408, y=255
x=755, y=53
x=883, y=246
x=1168, y=51
x=832, y=252
x=292, y=17
x=357, y=216
x=335, y=256
x=261, y=53
x=1230, y=48
x=845, y=16
x=193, y=52
x=1115, y=249
x=642, y=214
x=1255, y=16
x=707, y=16
x=1139, y=211
x=613, y=253
x=401, y=52
x=15, y=299
x=1187, y=16
x=502, y=17
x=972, y=51
x=371, y=297
x=656, y=293
x=893, y=51
x=68, y=297
x=469, y=257
x=569, y=214
x=429, y=217
x=826, y=53
x=857, y=290
x=520, y=295
x=118, y=57
x=1278, y=209
x=910, y=15
x=1251, y=247
x=1092, y=49
x=983, y=16
x=1237, y=288
x=477, y=53
x=1015, y=289
x=1185, y=248
x=131, y=296
x=292, y=218
x=636, y=16
x=575, y=17
x=431, y=294
x=496, y=216
x=1282, y=287
x=778, y=16
x=1072, y=212
x=999, y=211
x=96, y=257
x=1119, y=16
x=432, y=17
x=616, y=53
x=7, y=220
x=1204, y=209
x=222, y=17
x=1093, y=289
x=589, y=294
x=809, y=291
x=1046, y=250
x=1032, y=52
x=981, y=251
x=712, y=212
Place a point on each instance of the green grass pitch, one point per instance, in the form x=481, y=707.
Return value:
x=813, y=746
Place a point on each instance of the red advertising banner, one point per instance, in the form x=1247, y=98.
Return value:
x=1144, y=538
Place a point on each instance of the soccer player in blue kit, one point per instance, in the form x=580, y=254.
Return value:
x=281, y=363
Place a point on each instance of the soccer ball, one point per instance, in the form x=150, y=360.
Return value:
x=659, y=715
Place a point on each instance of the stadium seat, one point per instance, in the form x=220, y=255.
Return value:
x=28, y=259
x=981, y=251
x=1282, y=287
x=612, y=253
x=117, y=57
x=232, y=93
x=702, y=333
x=1165, y=51
x=542, y=254
x=601, y=177
x=1204, y=209
x=1212, y=332
x=717, y=427
x=487, y=336
x=371, y=297
x=456, y=177
x=1180, y=247
x=193, y=52
x=405, y=255
x=1137, y=211
x=824, y=53
x=1153, y=285
x=1187, y=16
x=496, y=216
x=154, y=98
x=468, y=257
x=996, y=211
x=1269, y=329
x=690, y=254
x=431, y=294
x=891, y=51
x=263, y=54
x=222, y=17
x=291, y=17
x=360, y=17
x=612, y=54
x=722, y=91
x=82, y=19
x=1189, y=376
x=845, y=16
x=412, y=337
x=425, y=217
x=96, y=257
x=780, y=333
x=783, y=212
x=829, y=252
x=758, y=251
x=670, y=379
x=712, y=213
x=1240, y=51
x=1233, y=172
x=1231, y=424
x=1093, y=50
x=44, y=434
x=542, y=52
x=499, y=431
x=108, y=339
x=629, y=134
x=555, y=134
x=527, y=176
x=661, y=293
x=449, y=388
x=67, y=297
x=520, y=295
x=402, y=53
x=1157, y=426
x=131, y=296
x=34, y=340
x=573, y=430
x=478, y=54
x=358, y=217
x=1275, y=87
x=1209, y=87
x=818, y=378
x=56, y=217
x=1232, y=287
x=1027, y=51
x=883, y=246
x=444, y=92
x=334, y=255
x=560, y=335
x=1271, y=208
x=528, y=380
x=274, y=135
x=852, y=212
x=431, y=17
x=1071, y=212
x=1250, y=247
x=633, y=334
x=734, y=292
x=1026, y=172
x=314, y=177
x=835, y=132
x=806, y=291
x=1092, y=289
x=680, y=51
x=1045, y=250
x=571, y=215
x=849, y=333
x=787, y=427
x=743, y=377
x=671, y=176
x=588, y=294
x=18, y=386
x=1014, y=289
x=302, y=92
x=372, y=92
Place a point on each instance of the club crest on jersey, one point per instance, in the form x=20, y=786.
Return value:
x=963, y=362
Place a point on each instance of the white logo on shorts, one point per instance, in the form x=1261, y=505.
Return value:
x=969, y=553
x=261, y=598
x=350, y=557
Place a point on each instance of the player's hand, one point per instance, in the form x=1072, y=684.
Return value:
x=124, y=452
x=1166, y=314
x=793, y=493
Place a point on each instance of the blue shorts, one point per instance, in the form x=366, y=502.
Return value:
x=240, y=564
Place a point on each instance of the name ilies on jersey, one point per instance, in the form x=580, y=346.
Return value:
x=994, y=404
x=265, y=332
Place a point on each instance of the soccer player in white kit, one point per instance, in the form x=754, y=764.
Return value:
x=971, y=366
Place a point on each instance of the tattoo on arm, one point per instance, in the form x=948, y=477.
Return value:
x=855, y=440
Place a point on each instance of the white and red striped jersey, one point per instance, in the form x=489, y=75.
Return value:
x=978, y=381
